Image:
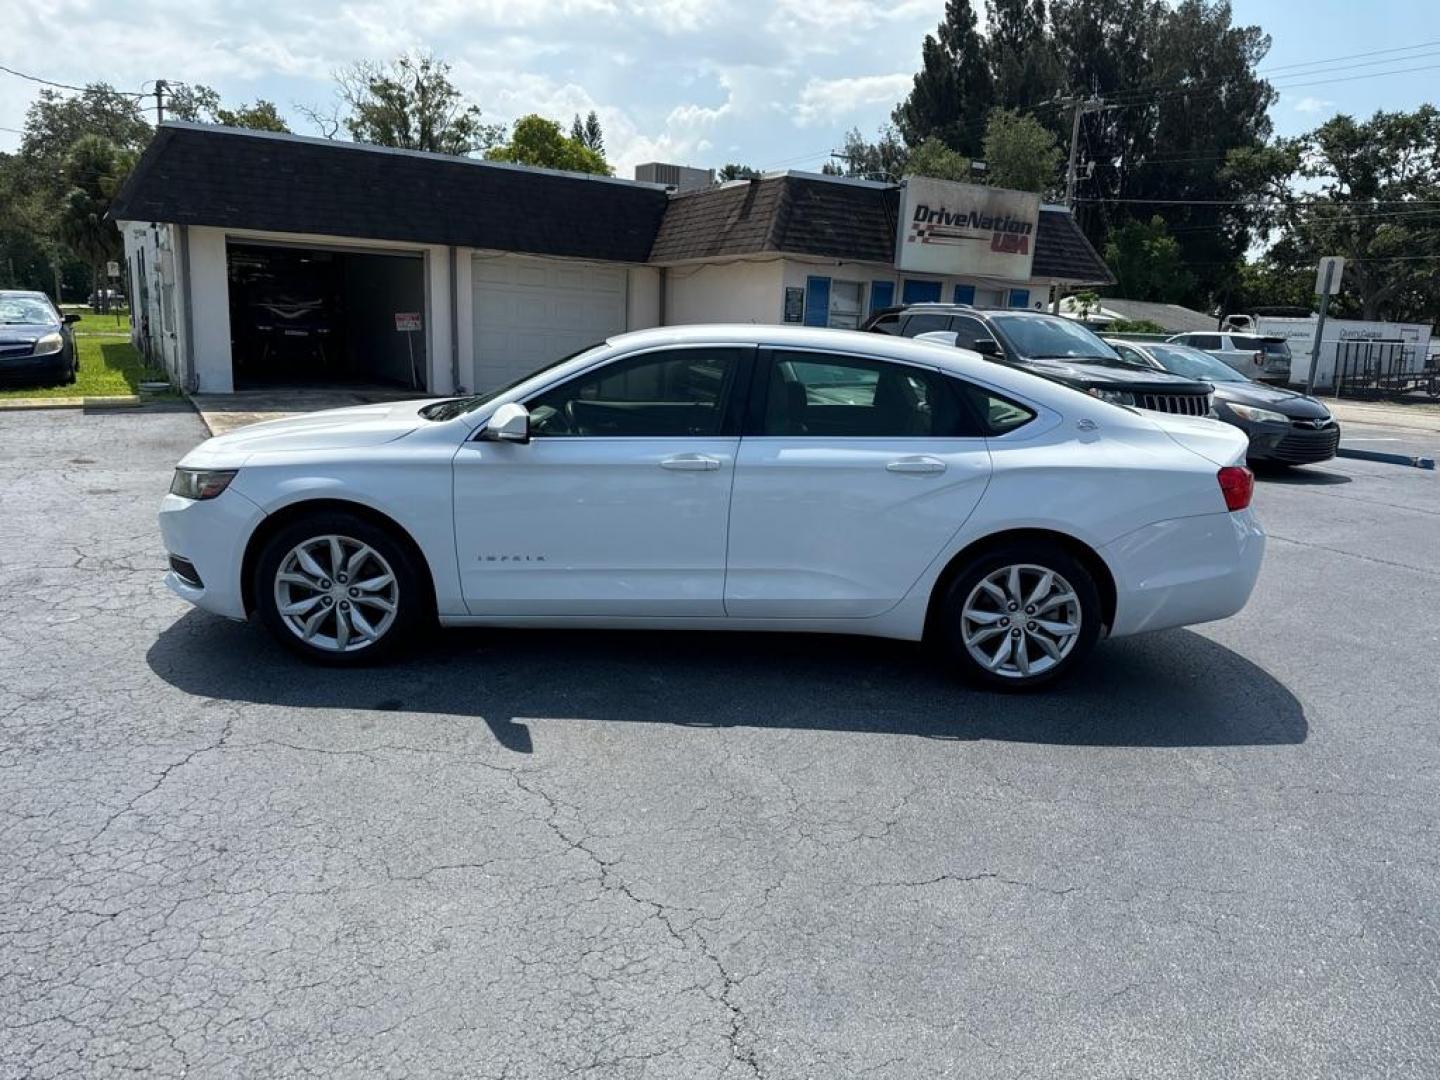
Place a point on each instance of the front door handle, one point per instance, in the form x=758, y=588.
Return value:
x=690, y=463
x=917, y=464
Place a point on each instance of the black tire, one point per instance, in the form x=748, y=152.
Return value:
x=412, y=601
x=951, y=629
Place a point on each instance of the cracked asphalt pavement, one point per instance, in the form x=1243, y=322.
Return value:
x=537, y=855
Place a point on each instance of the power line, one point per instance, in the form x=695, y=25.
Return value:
x=60, y=85
x=1252, y=202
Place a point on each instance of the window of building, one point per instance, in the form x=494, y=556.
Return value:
x=1020, y=298
x=846, y=304
x=882, y=294
x=965, y=294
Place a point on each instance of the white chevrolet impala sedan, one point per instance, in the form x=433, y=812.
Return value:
x=728, y=477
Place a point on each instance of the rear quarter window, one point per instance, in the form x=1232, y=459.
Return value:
x=996, y=414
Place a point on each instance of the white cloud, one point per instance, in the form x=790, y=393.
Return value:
x=689, y=81
x=1312, y=105
x=831, y=100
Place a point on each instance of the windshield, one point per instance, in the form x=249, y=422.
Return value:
x=1041, y=338
x=1194, y=364
x=25, y=309
x=449, y=410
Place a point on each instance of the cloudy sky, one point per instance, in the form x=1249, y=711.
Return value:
x=770, y=83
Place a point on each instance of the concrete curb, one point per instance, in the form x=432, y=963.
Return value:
x=113, y=401
x=1388, y=459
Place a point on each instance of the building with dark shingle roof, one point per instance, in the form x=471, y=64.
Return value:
x=258, y=259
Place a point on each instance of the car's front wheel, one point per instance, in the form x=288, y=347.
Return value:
x=338, y=589
x=1021, y=616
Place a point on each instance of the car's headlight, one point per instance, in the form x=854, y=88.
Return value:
x=201, y=483
x=50, y=344
x=1258, y=416
x=1115, y=397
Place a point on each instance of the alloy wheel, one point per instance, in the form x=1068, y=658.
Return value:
x=336, y=593
x=1020, y=621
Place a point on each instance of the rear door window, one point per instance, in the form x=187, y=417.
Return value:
x=838, y=396
x=1205, y=341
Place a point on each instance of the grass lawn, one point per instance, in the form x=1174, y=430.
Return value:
x=109, y=364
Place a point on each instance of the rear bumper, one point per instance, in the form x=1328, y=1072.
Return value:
x=211, y=536
x=1184, y=571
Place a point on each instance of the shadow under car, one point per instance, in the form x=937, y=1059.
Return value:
x=1171, y=689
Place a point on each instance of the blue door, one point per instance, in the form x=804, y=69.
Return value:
x=920, y=292
x=882, y=295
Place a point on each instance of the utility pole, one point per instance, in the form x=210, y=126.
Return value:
x=1081, y=107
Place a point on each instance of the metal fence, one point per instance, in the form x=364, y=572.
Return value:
x=1376, y=368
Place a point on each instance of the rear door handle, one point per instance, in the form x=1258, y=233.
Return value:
x=690, y=463
x=916, y=465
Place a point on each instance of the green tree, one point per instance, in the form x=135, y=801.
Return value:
x=93, y=171
x=409, y=103
x=537, y=141
x=884, y=159
x=261, y=116
x=735, y=172
x=953, y=90
x=933, y=158
x=1147, y=262
x=1020, y=152
x=1370, y=191
x=1024, y=65
x=201, y=104
x=587, y=132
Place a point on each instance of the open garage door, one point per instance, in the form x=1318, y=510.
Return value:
x=529, y=312
x=303, y=316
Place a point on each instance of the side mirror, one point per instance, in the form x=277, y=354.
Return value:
x=511, y=423
x=987, y=347
x=72, y=318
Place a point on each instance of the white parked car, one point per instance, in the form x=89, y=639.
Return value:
x=729, y=477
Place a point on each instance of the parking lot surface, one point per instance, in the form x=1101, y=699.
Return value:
x=536, y=855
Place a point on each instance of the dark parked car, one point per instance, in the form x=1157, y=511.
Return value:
x=35, y=340
x=1284, y=427
x=1057, y=349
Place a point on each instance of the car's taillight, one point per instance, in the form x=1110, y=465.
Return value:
x=1237, y=484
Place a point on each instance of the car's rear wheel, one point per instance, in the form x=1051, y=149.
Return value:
x=1021, y=616
x=338, y=589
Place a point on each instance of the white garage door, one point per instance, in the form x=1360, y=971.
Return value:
x=529, y=312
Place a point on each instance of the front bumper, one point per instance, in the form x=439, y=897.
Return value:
x=1291, y=445
x=1184, y=571
x=211, y=535
x=25, y=369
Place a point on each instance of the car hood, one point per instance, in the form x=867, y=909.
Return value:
x=1213, y=440
x=13, y=333
x=1286, y=402
x=332, y=429
x=1121, y=376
